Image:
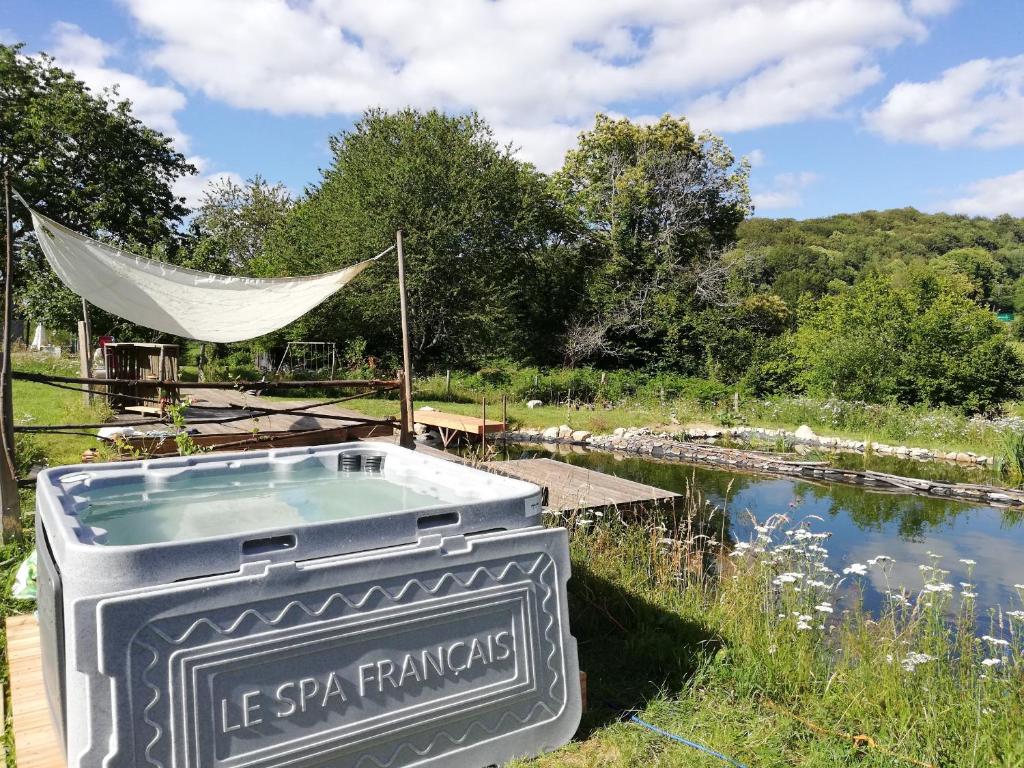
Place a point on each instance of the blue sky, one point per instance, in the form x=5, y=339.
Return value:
x=842, y=105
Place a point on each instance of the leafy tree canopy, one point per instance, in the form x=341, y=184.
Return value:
x=479, y=227
x=85, y=160
x=927, y=342
x=657, y=206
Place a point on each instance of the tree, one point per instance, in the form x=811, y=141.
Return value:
x=659, y=206
x=86, y=161
x=480, y=232
x=233, y=222
x=924, y=343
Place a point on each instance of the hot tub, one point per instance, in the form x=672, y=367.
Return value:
x=346, y=605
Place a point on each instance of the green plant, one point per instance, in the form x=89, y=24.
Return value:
x=182, y=438
x=29, y=452
x=1013, y=455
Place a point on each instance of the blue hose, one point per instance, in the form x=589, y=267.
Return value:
x=687, y=742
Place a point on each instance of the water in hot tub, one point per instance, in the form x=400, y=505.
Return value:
x=202, y=507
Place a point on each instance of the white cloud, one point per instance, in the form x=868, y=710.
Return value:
x=88, y=56
x=990, y=197
x=192, y=187
x=932, y=7
x=799, y=87
x=538, y=70
x=756, y=157
x=977, y=103
x=786, y=191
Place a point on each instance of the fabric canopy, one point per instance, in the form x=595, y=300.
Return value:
x=177, y=300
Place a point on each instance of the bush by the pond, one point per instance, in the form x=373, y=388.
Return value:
x=761, y=650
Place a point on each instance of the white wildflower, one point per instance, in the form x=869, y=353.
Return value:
x=914, y=659
x=858, y=568
x=995, y=640
x=823, y=608
x=802, y=625
x=968, y=561
x=938, y=587
x=967, y=594
x=879, y=559
x=1015, y=614
x=991, y=662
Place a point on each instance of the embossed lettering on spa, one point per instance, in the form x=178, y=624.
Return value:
x=338, y=690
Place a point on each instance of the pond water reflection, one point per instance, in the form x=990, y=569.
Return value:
x=863, y=523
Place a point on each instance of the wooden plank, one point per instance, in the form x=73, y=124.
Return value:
x=145, y=410
x=36, y=742
x=472, y=425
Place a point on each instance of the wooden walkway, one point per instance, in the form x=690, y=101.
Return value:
x=571, y=488
x=567, y=487
x=35, y=741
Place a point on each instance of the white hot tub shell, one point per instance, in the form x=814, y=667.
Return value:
x=347, y=605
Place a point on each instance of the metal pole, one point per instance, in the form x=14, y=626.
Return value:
x=406, y=438
x=10, y=507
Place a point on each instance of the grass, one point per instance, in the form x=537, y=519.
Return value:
x=43, y=404
x=599, y=402
x=942, y=429
x=735, y=657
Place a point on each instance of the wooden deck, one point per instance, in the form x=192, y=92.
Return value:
x=318, y=425
x=35, y=741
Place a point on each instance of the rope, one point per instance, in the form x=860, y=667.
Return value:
x=687, y=742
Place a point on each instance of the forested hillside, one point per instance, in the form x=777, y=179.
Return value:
x=810, y=256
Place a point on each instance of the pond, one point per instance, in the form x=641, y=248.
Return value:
x=863, y=523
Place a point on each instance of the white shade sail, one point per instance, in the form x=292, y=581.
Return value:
x=184, y=302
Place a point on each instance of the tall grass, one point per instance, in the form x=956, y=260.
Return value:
x=1013, y=455
x=762, y=650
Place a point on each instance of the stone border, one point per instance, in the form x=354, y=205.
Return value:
x=645, y=442
x=803, y=435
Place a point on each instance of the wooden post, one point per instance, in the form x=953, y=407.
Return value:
x=88, y=334
x=10, y=507
x=448, y=384
x=483, y=431
x=407, y=438
x=83, y=359
x=405, y=418
x=504, y=417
